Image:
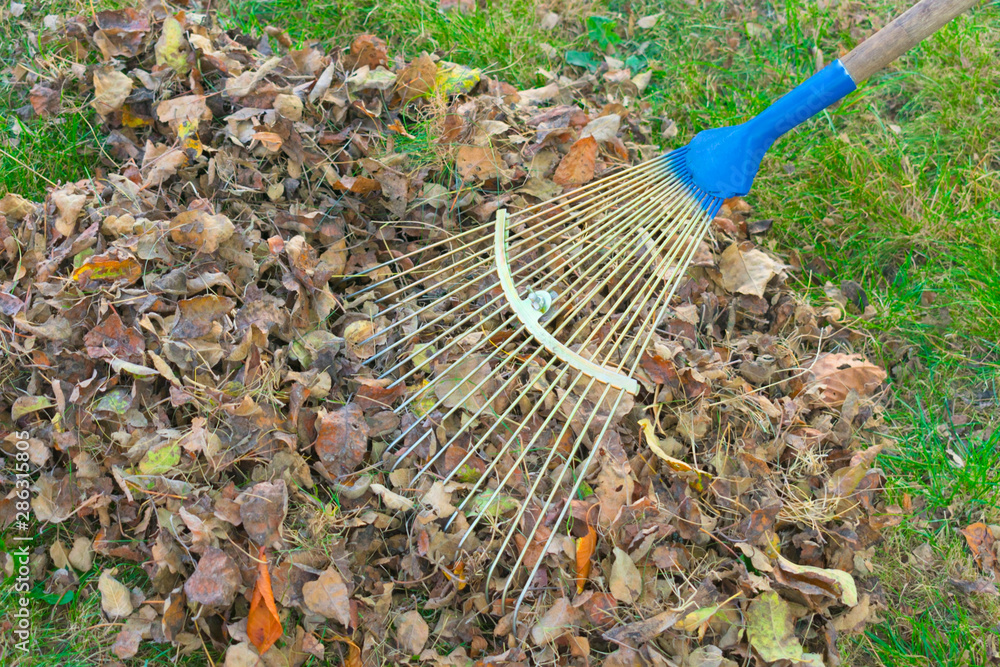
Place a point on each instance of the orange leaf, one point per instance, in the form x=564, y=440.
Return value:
x=263, y=624
x=353, y=651
x=579, y=164
x=585, y=547
x=359, y=185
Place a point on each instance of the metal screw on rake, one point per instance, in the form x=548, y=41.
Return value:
x=608, y=258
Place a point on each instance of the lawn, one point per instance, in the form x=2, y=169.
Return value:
x=889, y=199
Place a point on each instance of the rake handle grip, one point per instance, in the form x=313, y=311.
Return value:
x=906, y=31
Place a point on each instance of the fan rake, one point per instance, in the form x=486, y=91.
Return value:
x=526, y=332
x=600, y=276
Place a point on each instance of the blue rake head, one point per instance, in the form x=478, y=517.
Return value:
x=723, y=162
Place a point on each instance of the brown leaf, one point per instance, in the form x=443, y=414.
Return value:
x=110, y=339
x=44, y=100
x=116, y=601
x=747, y=270
x=625, y=582
x=263, y=508
x=327, y=596
x=560, y=619
x=638, y=633
x=981, y=542
x=366, y=51
x=478, y=163
x=110, y=90
x=215, y=580
x=835, y=375
x=411, y=632
x=578, y=166
x=417, y=78
x=263, y=623
x=359, y=185
x=342, y=439
x=200, y=230
x=126, y=643
x=357, y=335
x=69, y=204
x=375, y=395
x=197, y=317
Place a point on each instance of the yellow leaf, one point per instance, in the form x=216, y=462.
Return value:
x=171, y=48
x=695, y=477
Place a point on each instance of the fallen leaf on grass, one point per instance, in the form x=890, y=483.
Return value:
x=263, y=623
x=747, y=271
x=342, y=439
x=771, y=630
x=196, y=317
x=834, y=375
x=625, y=582
x=116, y=601
x=107, y=269
x=578, y=166
x=215, y=580
x=478, y=163
x=817, y=581
x=327, y=596
x=111, y=87
x=558, y=620
x=416, y=79
x=263, y=508
x=638, y=633
x=411, y=632
x=200, y=230
x=981, y=542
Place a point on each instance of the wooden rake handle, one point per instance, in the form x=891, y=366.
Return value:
x=906, y=31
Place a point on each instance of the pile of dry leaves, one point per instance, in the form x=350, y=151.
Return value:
x=181, y=349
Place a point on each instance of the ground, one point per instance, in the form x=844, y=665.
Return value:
x=890, y=199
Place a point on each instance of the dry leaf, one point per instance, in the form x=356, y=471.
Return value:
x=747, y=271
x=342, y=439
x=560, y=619
x=625, y=582
x=327, y=596
x=215, y=580
x=263, y=623
x=200, y=230
x=578, y=166
x=116, y=601
x=411, y=632
x=111, y=87
x=835, y=375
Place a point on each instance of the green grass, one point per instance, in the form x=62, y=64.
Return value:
x=504, y=41
x=895, y=189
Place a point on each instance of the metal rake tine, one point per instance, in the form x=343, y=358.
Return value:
x=601, y=228
x=545, y=505
x=524, y=452
x=666, y=301
x=562, y=515
x=579, y=305
x=496, y=424
x=482, y=382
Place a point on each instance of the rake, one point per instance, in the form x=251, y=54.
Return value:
x=524, y=334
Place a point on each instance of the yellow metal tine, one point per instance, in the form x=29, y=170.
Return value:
x=562, y=514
